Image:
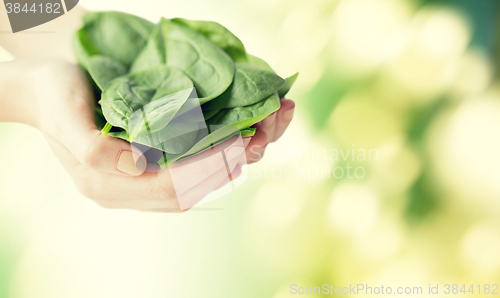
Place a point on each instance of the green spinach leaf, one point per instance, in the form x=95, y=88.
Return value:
x=228, y=123
x=288, y=85
x=83, y=48
x=104, y=69
x=253, y=60
x=251, y=84
x=209, y=114
x=248, y=132
x=205, y=141
x=149, y=76
x=209, y=67
x=175, y=138
x=148, y=98
x=117, y=35
x=219, y=35
x=153, y=53
x=244, y=117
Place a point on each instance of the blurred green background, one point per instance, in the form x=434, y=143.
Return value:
x=413, y=84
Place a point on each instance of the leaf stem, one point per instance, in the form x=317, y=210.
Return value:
x=105, y=130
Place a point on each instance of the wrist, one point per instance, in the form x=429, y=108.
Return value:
x=18, y=100
x=59, y=90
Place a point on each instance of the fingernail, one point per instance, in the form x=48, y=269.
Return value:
x=131, y=163
x=234, y=152
x=288, y=115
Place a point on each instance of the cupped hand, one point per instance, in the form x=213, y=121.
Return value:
x=270, y=130
x=111, y=171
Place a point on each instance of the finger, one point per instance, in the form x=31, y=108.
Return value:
x=109, y=154
x=207, y=153
x=146, y=192
x=257, y=146
x=222, y=177
x=99, y=186
x=103, y=153
x=190, y=174
x=150, y=190
x=268, y=126
x=283, y=118
x=234, y=174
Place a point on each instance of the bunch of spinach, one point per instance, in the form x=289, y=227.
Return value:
x=146, y=73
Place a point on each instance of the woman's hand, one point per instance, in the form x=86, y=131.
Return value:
x=270, y=130
x=56, y=98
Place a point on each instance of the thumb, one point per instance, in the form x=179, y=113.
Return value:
x=77, y=131
x=108, y=154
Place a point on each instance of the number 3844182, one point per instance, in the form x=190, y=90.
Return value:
x=33, y=8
